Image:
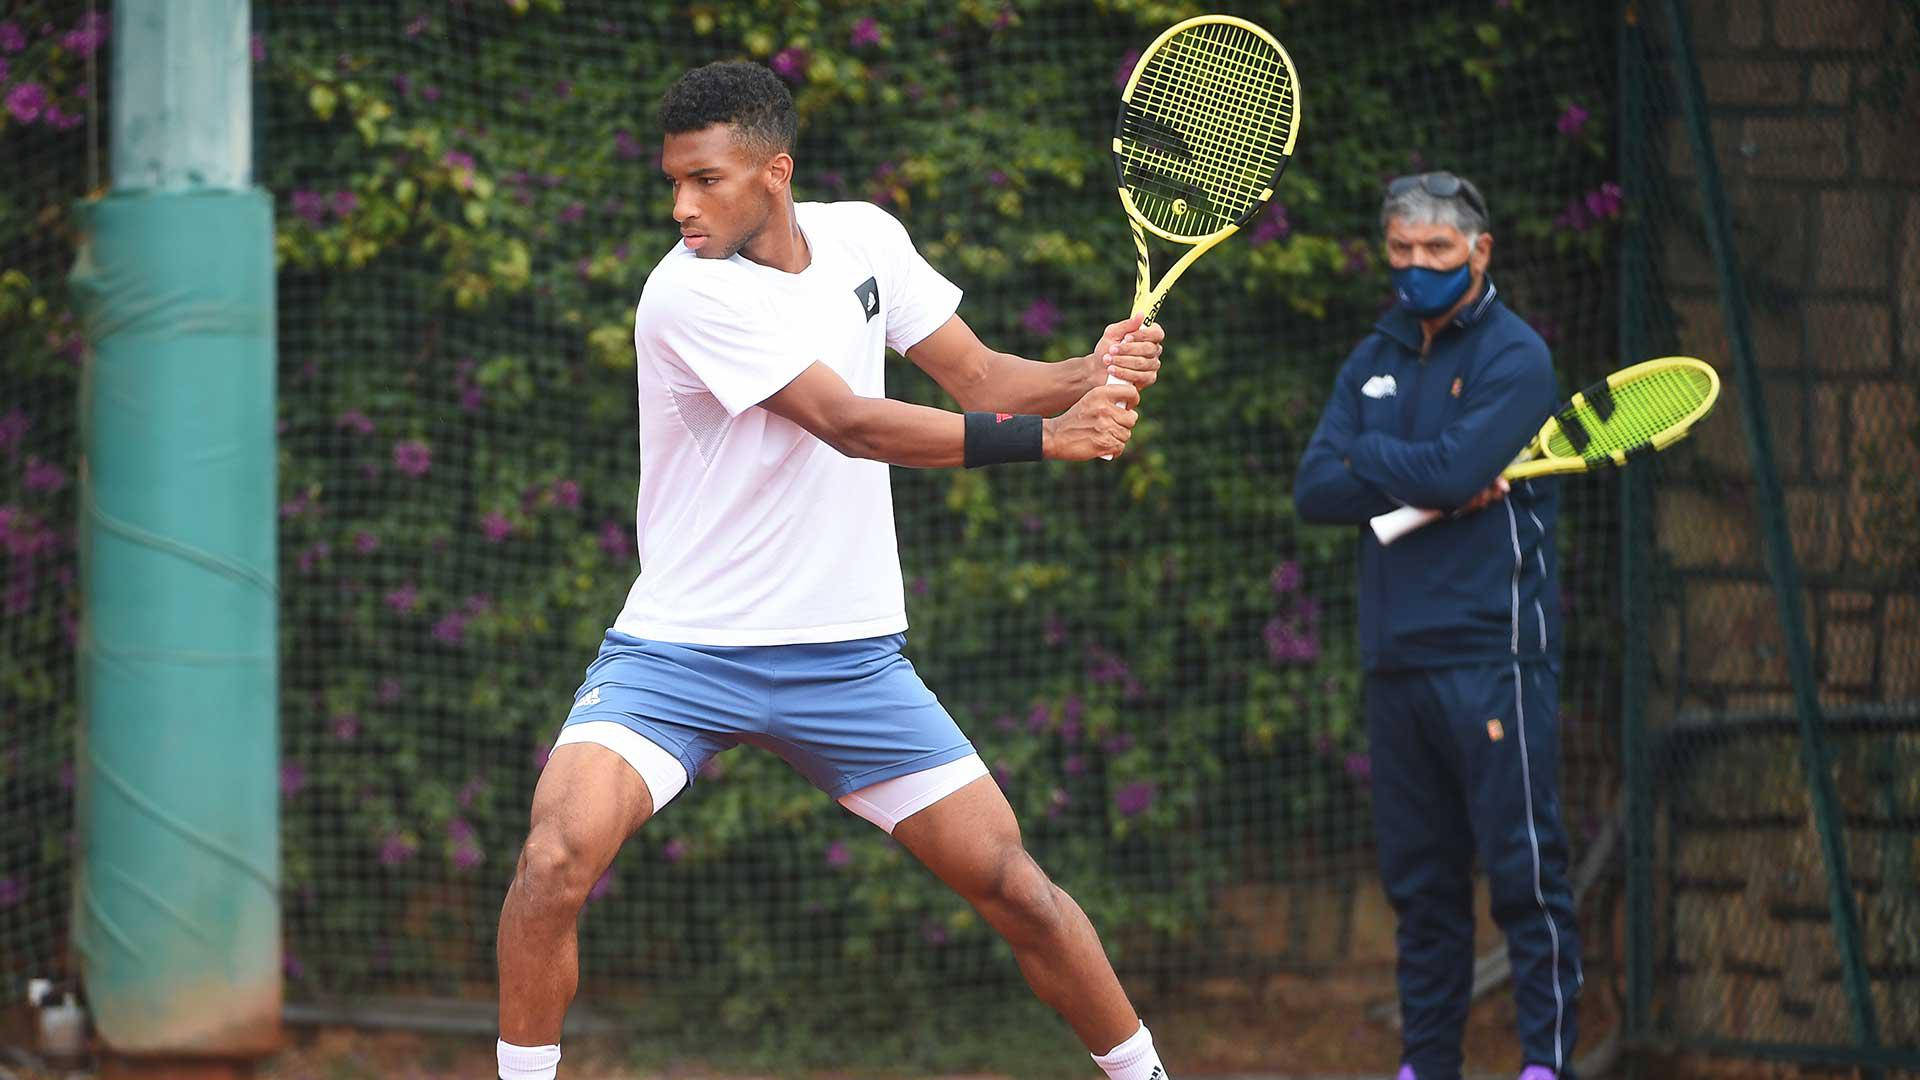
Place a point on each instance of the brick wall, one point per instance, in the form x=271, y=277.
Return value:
x=1815, y=110
x=1819, y=148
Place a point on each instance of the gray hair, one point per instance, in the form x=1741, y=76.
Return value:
x=1416, y=207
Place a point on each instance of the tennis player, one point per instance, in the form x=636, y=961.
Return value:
x=1459, y=627
x=769, y=609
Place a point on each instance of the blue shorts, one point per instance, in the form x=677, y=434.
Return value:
x=845, y=714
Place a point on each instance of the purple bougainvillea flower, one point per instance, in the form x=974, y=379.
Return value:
x=495, y=526
x=1572, y=121
x=12, y=38
x=313, y=555
x=451, y=628
x=26, y=101
x=573, y=212
x=602, y=887
x=412, y=457
x=44, y=475
x=1289, y=643
x=1041, y=317
x=1134, y=798
x=417, y=25
x=566, y=493
x=865, y=32
x=397, y=849
x=404, y=599
x=365, y=543
x=12, y=891
x=838, y=855
x=789, y=63
x=86, y=35
x=614, y=541
x=674, y=850
x=1273, y=225
x=293, y=777
x=1125, y=71
x=1360, y=767
x=1286, y=577
x=346, y=727
x=310, y=205
x=355, y=421
x=257, y=47
x=344, y=203
x=625, y=145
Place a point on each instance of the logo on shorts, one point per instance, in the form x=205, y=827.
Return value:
x=869, y=293
x=591, y=697
x=1002, y=417
x=1494, y=731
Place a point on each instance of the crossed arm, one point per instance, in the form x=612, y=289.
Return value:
x=1083, y=418
x=1349, y=475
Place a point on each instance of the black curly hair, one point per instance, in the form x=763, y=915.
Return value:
x=746, y=96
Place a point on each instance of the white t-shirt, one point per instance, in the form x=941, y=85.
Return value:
x=752, y=531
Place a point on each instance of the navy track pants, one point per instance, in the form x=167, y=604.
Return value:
x=1465, y=764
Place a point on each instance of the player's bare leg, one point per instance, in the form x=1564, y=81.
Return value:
x=971, y=841
x=588, y=801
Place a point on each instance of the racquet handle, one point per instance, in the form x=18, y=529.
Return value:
x=1395, y=524
x=1112, y=379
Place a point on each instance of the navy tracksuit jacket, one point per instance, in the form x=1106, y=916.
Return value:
x=1460, y=638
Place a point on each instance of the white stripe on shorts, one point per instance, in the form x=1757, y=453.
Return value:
x=663, y=773
x=890, y=802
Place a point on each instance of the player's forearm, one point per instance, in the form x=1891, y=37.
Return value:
x=1014, y=384
x=919, y=437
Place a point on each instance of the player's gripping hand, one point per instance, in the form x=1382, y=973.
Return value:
x=1128, y=352
x=1098, y=425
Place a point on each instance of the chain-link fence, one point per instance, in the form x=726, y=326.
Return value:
x=1156, y=657
x=1775, y=897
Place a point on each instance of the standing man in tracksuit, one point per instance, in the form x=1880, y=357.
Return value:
x=1459, y=627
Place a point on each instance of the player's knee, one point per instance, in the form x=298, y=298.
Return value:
x=1027, y=901
x=553, y=871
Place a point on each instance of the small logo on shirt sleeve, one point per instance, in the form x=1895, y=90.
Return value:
x=591, y=697
x=1456, y=386
x=869, y=293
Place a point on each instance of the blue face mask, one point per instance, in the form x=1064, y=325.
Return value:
x=1429, y=292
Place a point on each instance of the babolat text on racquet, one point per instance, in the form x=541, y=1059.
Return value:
x=1636, y=410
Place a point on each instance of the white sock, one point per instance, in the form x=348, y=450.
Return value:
x=1133, y=1060
x=527, y=1062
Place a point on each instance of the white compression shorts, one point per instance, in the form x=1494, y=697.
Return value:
x=886, y=803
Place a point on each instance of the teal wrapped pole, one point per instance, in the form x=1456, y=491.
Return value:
x=177, y=915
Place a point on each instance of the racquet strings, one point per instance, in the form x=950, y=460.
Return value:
x=1631, y=416
x=1206, y=128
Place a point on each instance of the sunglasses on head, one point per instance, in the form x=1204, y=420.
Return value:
x=1440, y=185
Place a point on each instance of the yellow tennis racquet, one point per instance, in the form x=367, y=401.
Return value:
x=1636, y=410
x=1206, y=124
